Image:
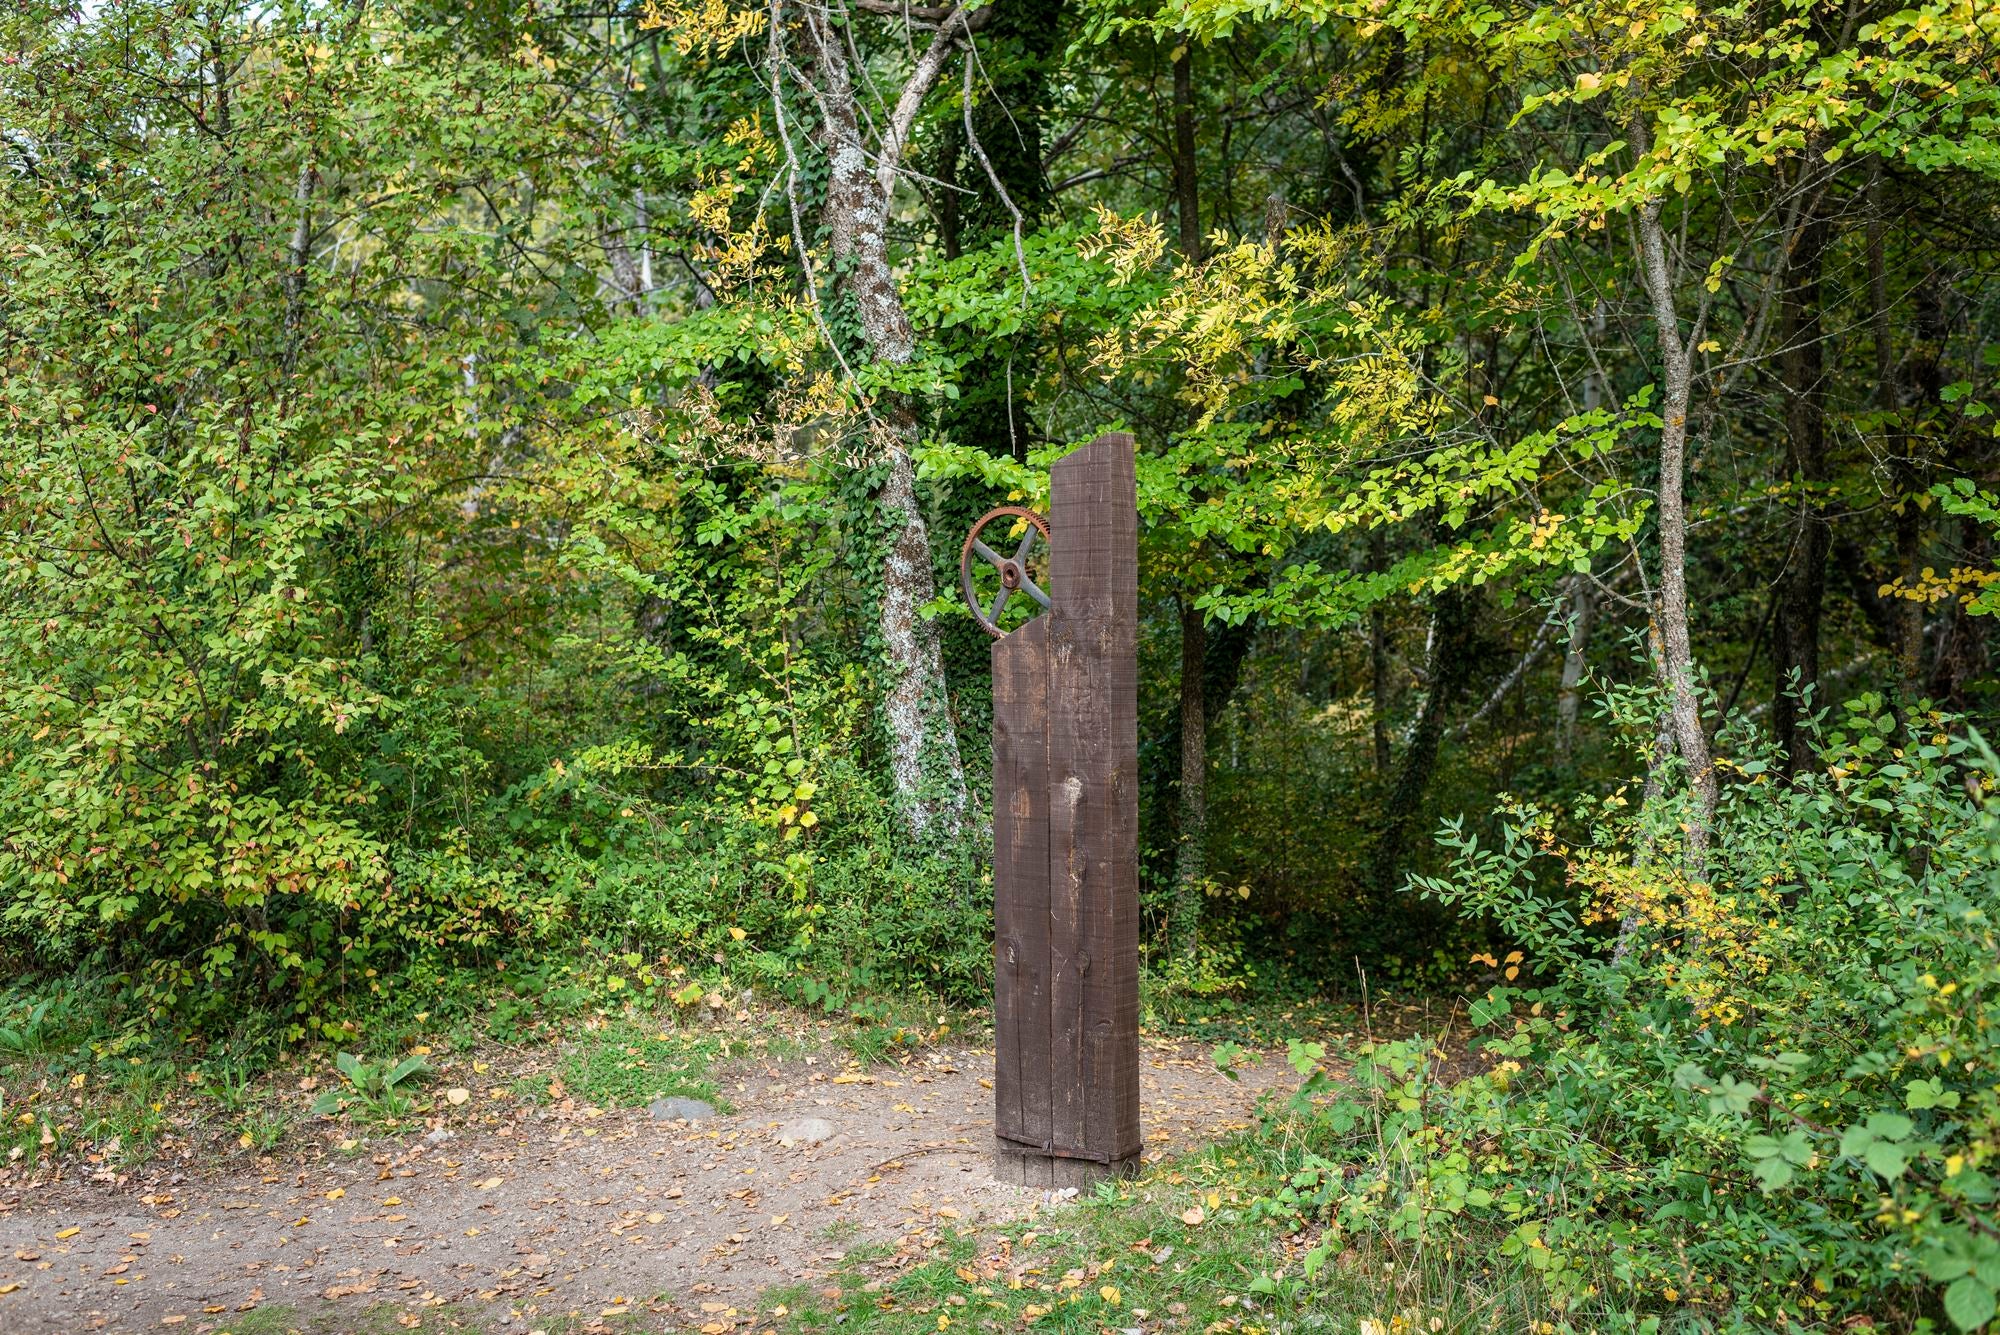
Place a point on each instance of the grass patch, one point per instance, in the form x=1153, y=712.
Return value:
x=1193, y=1247
x=380, y=1319
x=626, y=1064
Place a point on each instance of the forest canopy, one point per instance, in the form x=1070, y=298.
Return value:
x=483, y=480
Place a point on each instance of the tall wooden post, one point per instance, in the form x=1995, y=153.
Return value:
x=1066, y=843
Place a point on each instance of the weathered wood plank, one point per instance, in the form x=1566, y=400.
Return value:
x=1021, y=885
x=1066, y=818
x=1093, y=804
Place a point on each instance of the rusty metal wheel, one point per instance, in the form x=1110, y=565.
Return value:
x=1014, y=570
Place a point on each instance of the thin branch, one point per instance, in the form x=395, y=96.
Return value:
x=993, y=179
x=922, y=79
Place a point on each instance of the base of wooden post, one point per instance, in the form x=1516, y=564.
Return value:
x=1018, y=1166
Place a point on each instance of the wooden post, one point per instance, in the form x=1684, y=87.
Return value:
x=1066, y=843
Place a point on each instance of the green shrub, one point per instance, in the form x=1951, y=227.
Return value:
x=1765, y=1095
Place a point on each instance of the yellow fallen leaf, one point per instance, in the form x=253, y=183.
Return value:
x=336, y=1193
x=1192, y=1216
x=491, y=1183
x=8, y=1288
x=457, y=1095
x=737, y=933
x=655, y=1217
x=1109, y=1293
x=68, y=1233
x=392, y=1200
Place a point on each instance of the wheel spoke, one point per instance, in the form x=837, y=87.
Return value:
x=1013, y=570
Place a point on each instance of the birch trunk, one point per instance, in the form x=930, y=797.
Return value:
x=1676, y=650
x=924, y=760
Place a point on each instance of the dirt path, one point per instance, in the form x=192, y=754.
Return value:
x=565, y=1211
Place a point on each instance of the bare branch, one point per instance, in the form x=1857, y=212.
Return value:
x=922, y=79
x=993, y=179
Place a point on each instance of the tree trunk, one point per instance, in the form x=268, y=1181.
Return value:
x=1378, y=656
x=1187, y=177
x=1926, y=378
x=924, y=760
x=1576, y=661
x=1676, y=660
x=990, y=164
x=1191, y=857
x=1802, y=587
x=1448, y=672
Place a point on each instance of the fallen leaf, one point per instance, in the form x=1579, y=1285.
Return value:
x=68, y=1233
x=457, y=1095
x=491, y=1183
x=1192, y=1216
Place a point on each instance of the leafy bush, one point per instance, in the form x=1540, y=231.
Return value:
x=1767, y=1094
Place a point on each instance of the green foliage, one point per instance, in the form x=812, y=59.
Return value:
x=623, y=1065
x=1772, y=1100
x=377, y=1088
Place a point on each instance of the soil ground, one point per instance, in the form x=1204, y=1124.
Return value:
x=562, y=1215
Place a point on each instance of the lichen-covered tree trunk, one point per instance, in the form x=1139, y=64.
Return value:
x=1676, y=658
x=925, y=766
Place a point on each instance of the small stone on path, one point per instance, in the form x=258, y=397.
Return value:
x=680, y=1110
x=805, y=1131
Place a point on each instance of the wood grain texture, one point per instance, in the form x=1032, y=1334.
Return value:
x=1085, y=1078
x=1021, y=885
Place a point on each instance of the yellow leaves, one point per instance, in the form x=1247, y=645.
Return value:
x=1132, y=245
x=737, y=934
x=457, y=1096
x=491, y=1183
x=707, y=25
x=1109, y=1293
x=336, y=1193
x=65, y=1234
x=1963, y=584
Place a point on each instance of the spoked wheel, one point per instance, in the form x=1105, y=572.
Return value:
x=978, y=564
